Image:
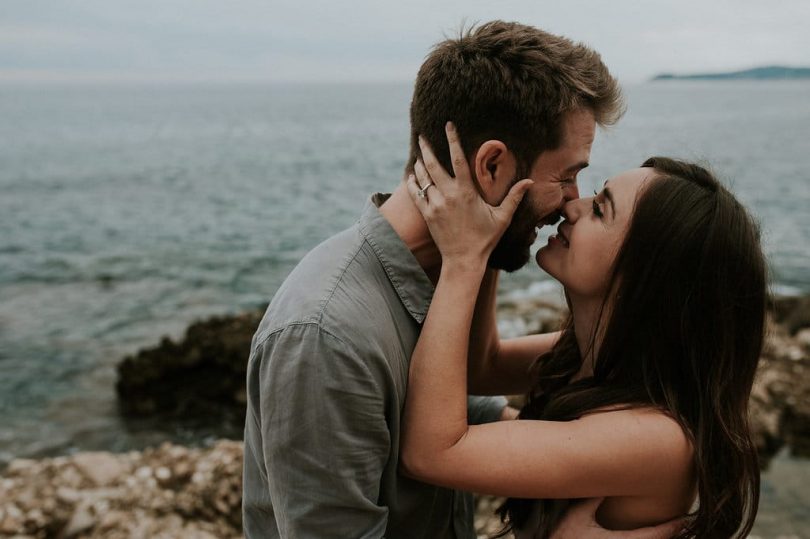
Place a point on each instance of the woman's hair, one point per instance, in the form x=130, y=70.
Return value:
x=684, y=335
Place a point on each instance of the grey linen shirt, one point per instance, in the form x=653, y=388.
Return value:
x=326, y=383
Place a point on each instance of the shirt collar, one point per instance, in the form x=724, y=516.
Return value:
x=406, y=275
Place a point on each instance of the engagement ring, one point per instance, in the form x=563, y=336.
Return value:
x=422, y=193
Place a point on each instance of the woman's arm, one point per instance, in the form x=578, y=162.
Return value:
x=500, y=367
x=629, y=453
x=484, y=343
x=623, y=453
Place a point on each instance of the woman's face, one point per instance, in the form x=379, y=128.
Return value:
x=582, y=252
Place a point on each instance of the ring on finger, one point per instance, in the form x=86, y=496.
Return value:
x=422, y=193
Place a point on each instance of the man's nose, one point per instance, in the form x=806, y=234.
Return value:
x=572, y=193
x=573, y=209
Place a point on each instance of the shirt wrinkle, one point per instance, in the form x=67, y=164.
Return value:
x=338, y=279
x=418, y=314
x=373, y=225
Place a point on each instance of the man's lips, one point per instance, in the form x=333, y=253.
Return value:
x=560, y=235
x=551, y=219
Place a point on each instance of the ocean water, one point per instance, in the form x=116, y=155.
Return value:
x=127, y=212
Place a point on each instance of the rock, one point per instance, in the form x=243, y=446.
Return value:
x=487, y=522
x=792, y=312
x=151, y=502
x=10, y=520
x=20, y=466
x=797, y=413
x=780, y=400
x=35, y=518
x=196, y=377
x=766, y=413
x=68, y=495
x=100, y=468
x=803, y=339
x=144, y=472
x=163, y=474
x=528, y=316
x=112, y=520
x=81, y=521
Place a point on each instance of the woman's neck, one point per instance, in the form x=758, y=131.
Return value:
x=586, y=314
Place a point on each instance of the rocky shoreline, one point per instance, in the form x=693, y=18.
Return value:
x=175, y=491
x=169, y=491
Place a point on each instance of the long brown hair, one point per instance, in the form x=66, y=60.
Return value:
x=684, y=335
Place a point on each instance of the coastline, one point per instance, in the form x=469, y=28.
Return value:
x=196, y=492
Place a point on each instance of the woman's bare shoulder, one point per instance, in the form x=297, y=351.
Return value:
x=665, y=456
x=649, y=428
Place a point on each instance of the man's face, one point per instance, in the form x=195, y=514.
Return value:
x=555, y=182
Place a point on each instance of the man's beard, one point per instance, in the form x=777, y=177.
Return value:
x=512, y=251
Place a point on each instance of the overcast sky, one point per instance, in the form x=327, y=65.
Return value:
x=375, y=40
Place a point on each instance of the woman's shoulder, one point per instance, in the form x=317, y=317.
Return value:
x=663, y=463
x=645, y=417
x=649, y=430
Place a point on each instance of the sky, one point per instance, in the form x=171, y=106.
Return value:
x=374, y=40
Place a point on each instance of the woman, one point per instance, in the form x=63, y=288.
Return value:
x=643, y=399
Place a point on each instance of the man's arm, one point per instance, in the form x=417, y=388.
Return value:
x=325, y=441
x=580, y=523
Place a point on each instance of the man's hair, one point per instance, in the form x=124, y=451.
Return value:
x=510, y=82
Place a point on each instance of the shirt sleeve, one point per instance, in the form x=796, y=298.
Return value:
x=482, y=410
x=325, y=441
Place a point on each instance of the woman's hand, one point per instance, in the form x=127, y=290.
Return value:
x=464, y=227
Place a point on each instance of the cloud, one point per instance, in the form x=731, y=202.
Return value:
x=371, y=40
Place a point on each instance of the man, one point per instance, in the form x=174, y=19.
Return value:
x=328, y=368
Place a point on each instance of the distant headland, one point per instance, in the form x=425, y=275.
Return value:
x=757, y=73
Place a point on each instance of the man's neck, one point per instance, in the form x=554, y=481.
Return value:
x=404, y=217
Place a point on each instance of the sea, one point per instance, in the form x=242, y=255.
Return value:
x=129, y=211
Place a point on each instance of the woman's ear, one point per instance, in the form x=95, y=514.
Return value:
x=495, y=169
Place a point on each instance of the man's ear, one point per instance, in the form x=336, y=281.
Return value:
x=495, y=168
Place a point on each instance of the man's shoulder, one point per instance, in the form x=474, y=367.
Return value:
x=333, y=286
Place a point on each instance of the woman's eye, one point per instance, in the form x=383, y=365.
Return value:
x=597, y=211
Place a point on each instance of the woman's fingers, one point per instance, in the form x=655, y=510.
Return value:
x=437, y=172
x=424, y=179
x=422, y=175
x=507, y=208
x=457, y=157
x=458, y=160
x=413, y=190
